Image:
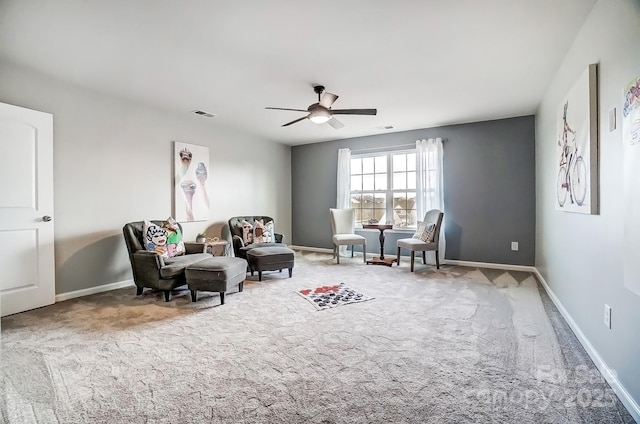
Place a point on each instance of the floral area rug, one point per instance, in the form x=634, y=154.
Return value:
x=325, y=297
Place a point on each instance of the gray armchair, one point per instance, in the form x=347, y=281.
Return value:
x=414, y=245
x=234, y=235
x=152, y=270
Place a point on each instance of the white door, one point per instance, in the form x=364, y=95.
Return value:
x=26, y=209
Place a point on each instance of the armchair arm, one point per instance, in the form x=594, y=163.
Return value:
x=192, y=247
x=146, y=268
x=237, y=243
x=148, y=259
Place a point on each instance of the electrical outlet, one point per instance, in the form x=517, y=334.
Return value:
x=607, y=316
x=514, y=246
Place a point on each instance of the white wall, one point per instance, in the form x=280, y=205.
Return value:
x=580, y=256
x=113, y=164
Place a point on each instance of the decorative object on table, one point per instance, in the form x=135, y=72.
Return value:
x=325, y=297
x=631, y=154
x=201, y=238
x=191, y=174
x=212, y=244
x=416, y=244
x=577, y=146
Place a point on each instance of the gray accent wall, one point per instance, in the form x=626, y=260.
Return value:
x=489, y=189
x=581, y=256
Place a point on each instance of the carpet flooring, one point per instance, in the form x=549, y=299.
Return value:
x=455, y=345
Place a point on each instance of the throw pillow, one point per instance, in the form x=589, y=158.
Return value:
x=430, y=233
x=263, y=233
x=425, y=232
x=269, y=232
x=420, y=230
x=175, y=243
x=247, y=232
x=258, y=231
x=155, y=239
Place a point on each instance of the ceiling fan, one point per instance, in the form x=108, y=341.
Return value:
x=321, y=112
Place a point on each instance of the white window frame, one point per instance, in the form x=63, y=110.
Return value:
x=389, y=192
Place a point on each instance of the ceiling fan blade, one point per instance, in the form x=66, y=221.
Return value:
x=328, y=99
x=335, y=123
x=293, y=122
x=353, y=111
x=284, y=108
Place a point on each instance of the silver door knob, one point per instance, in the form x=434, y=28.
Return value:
x=46, y=218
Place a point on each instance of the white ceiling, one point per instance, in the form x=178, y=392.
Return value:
x=420, y=63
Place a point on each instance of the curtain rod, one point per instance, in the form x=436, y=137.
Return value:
x=398, y=146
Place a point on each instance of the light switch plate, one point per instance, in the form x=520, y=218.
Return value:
x=612, y=119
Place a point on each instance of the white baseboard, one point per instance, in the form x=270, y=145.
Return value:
x=312, y=249
x=626, y=398
x=93, y=290
x=507, y=267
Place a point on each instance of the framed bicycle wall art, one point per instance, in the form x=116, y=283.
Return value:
x=577, y=146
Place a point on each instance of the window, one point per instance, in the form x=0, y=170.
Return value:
x=383, y=187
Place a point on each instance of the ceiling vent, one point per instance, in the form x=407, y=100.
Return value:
x=385, y=128
x=203, y=113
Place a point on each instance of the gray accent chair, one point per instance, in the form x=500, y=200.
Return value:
x=414, y=245
x=234, y=235
x=152, y=270
x=343, y=232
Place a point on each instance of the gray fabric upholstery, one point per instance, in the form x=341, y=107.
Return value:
x=270, y=258
x=217, y=274
x=234, y=234
x=150, y=269
x=342, y=230
x=433, y=216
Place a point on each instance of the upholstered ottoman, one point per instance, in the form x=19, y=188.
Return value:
x=216, y=274
x=270, y=258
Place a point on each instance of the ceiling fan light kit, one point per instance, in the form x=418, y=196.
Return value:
x=321, y=112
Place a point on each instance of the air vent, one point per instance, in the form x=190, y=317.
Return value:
x=385, y=128
x=203, y=113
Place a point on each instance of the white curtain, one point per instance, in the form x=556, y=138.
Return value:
x=429, y=182
x=343, y=200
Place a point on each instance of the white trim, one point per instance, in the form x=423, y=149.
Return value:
x=93, y=290
x=490, y=265
x=626, y=398
x=311, y=249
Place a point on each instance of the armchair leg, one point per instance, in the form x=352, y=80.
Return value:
x=364, y=253
x=167, y=295
x=437, y=260
x=259, y=275
x=413, y=257
x=139, y=291
x=222, y=298
x=398, y=258
x=290, y=272
x=352, y=250
x=194, y=295
x=424, y=257
x=241, y=286
x=338, y=253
